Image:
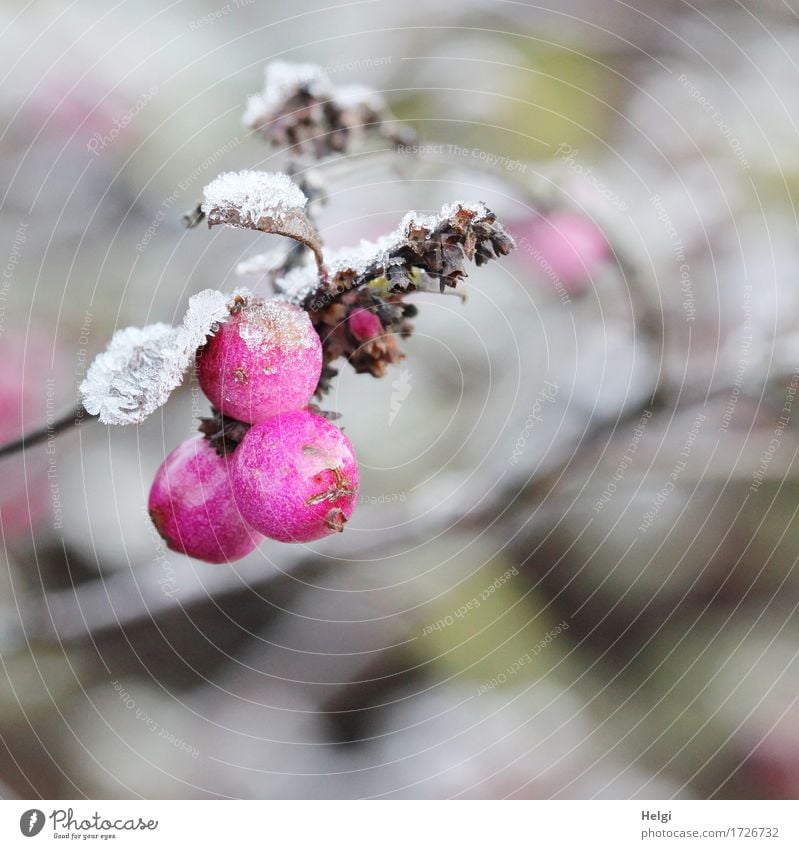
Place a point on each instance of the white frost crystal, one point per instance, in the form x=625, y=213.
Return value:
x=266, y=263
x=248, y=197
x=282, y=80
x=297, y=283
x=140, y=367
x=414, y=221
x=285, y=80
x=359, y=96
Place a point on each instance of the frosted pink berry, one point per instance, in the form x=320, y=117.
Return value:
x=192, y=505
x=264, y=360
x=364, y=325
x=295, y=477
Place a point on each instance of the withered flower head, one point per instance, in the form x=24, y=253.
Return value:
x=301, y=109
x=376, y=276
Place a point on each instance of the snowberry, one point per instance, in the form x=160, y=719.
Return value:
x=264, y=360
x=192, y=505
x=295, y=477
x=364, y=325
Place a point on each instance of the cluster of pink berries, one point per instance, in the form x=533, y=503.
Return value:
x=293, y=477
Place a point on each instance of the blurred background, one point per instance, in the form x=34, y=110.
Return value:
x=572, y=569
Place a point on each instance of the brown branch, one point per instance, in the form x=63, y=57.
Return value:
x=71, y=419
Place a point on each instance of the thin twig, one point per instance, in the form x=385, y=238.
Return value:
x=71, y=419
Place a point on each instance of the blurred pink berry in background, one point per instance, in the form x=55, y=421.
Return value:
x=565, y=247
x=63, y=106
x=32, y=393
x=773, y=765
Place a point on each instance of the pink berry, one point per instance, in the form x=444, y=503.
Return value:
x=192, y=505
x=264, y=360
x=295, y=477
x=364, y=325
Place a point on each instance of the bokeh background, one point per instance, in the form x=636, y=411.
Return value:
x=572, y=571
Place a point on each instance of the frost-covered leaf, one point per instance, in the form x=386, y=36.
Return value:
x=135, y=375
x=261, y=200
x=141, y=366
x=204, y=312
x=248, y=197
